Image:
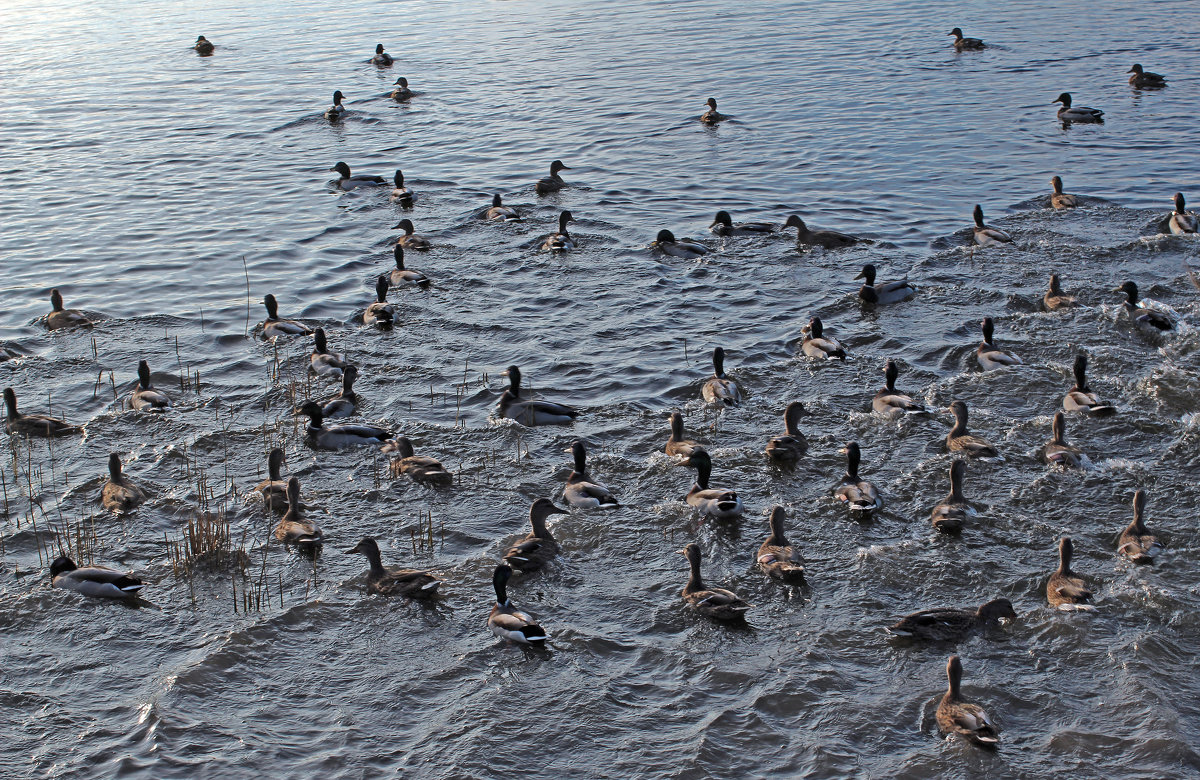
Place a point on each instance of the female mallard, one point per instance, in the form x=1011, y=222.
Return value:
x=336, y=112
x=776, y=556
x=273, y=489
x=410, y=240
x=1137, y=543
x=950, y=515
x=413, y=583
x=345, y=403
x=400, y=91
x=272, y=326
x=711, y=602
x=720, y=389
x=817, y=345
x=791, y=446
x=404, y=460
x=988, y=354
x=714, y=502
x=1060, y=199
x=145, y=398
x=959, y=440
x=686, y=248
x=859, y=495
x=884, y=292
x=381, y=57
x=560, y=241
x=829, y=239
x=1181, y=221
x=1080, y=397
x=1064, y=590
x=501, y=212
x=553, y=182
x=337, y=437
x=676, y=444
x=380, y=313
x=294, y=529
x=99, y=581
x=322, y=361
x=889, y=401
x=505, y=620
x=1144, y=79
x=120, y=494
x=1139, y=314
x=946, y=624
x=531, y=412
x=60, y=318
x=965, y=44
x=957, y=716
x=32, y=424
x=203, y=46
x=723, y=225
x=402, y=275
x=1055, y=298
x=986, y=235
x=539, y=546
x=400, y=193
x=1069, y=113
x=348, y=182
x=712, y=116
x=581, y=491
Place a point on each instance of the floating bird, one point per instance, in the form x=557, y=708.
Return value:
x=946, y=624
x=294, y=529
x=1055, y=298
x=273, y=489
x=884, y=292
x=712, y=116
x=99, y=581
x=859, y=495
x=501, y=212
x=829, y=239
x=711, y=602
x=676, y=444
x=777, y=558
x=61, y=319
x=988, y=354
x=1060, y=199
x=120, y=494
x=505, y=620
x=338, y=437
x=273, y=327
x=986, y=235
x=959, y=440
x=950, y=515
x=1057, y=452
x=1080, y=397
x=956, y=716
x=714, y=502
x=400, y=193
x=381, y=57
x=421, y=468
x=1136, y=542
x=539, y=546
x=1181, y=220
x=345, y=403
x=965, y=44
x=531, y=412
x=403, y=276
x=1069, y=114
x=1144, y=79
x=203, y=46
x=560, y=241
x=401, y=92
x=322, y=361
x=889, y=401
x=1064, y=590
x=785, y=450
x=553, y=182
x=333, y=114
x=723, y=225
x=348, y=182
x=581, y=491
x=410, y=240
x=145, y=398
x=720, y=389
x=817, y=345
x=32, y=424
x=413, y=583
x=1139, y=314
x=380, y=312
x=686, y=248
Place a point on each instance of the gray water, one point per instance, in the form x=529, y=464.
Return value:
x=138, y=177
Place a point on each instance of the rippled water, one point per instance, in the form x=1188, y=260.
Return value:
x=138, y=177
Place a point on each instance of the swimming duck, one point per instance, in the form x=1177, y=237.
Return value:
x=505, y=620
x=1137, y=543
x=404, y=460
x=273, y=489
x=560, y=241
x=501, y=212
x=859, y=495
x=336, y=112
x=723, y=225
x=1140, y=315
x=204, y=46
x=381, y=312
x=32, y=424
x=776, y=556
x=539, y=546
x=413, y=583
x=410, y=240
x=345, y=403
x=381, y=57
x=322, y=361
x=714, y=502
x=986, y=235
x=1064, y=590
x=952, y=512
x=120, y=494
x=711, y=602
x=582, y=492
x=884, y=292
x=401, y=91
x=348, y=182
x=988, y=354
x=956, y=716
x=60, y=318
x=339, y=436
x=829, y=239
x=817, y=345
x=712, y=116
x=1181, y=221
x=958, y=440
x=1077, y=113
x=965, y=44
x=676, y=444
x=946, y=624
x=720, y=389
x=1060, y=199
x=145, y=398
x=1055, y=298
x=531, y=412
x=272, y=326
x=401, y=194
x=1144, y=79
x=553, y=182
x=1080, y=397
x=889, y=401
x=294, y=529
x=686, y=248
x=99, y=581
x=791, y=446
x=1057, y=451
x=401, y=275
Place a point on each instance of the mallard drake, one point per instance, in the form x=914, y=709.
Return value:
x=32, y=424
x=720, y=389
x=952, y=512
x=531, y=412
x=401, y=92
x=711, y=602
x=404, y=460
x=829, y=239
x=273, y=489
x=99, y=581
x=348, y=182
x=686, y=248
x=145, y=398
x=791, y=446
x=714, y=502
x=1060, y=199
x=381, y=57
x=505, y=620
x=560, y=241
x=60, y=318
x=1055, y=298
x=410, y=240
x=1064, y=590
x=501, y=212
x=777, y=558
x=539, y=546
x=1139, y=314
x=817, y=345
x=413, y=583
x=345, y=403
x=553, y=182
x=985, y=234
x=1136, y=542
x=956, y=716
x=712, y=116
x=294, y=529
x=272, y=326
x=676, y=444
x=988, y=354
x=120, y=494
x=889, y=401
x=203, y=46
x=1080, y=397
x=959, y=440
x=400, y=193
x=337, y=437
x=1181, y=220
x=333, y=114
x=380, y=313
x=581, y=491
x=965, y=44
x=1144, y=79
x=403, y=276
x=1069, y=113
x=884, y=292
x=322, y=361
x=723, y=225
x=946, y=624
x=859, y=495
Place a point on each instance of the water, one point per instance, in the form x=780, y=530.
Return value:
x=138, y=177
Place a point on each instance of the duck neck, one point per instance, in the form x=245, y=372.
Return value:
x=703, y=472
x=375, y=561
x=580, y=462
x=694, y=583
x=10, y=404
x=1064, y=562
x=1060, y=430
x=114, y=469
x=956, y=487
x=791, y=419
x=960, y=424
x=955, y=675
x=852, y=458
x=273, y=468
x=676, y=427
x=1080, y=379
x=777, y=538
x=501, y=592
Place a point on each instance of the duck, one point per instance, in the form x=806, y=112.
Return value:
x=947, y=624
x=380, y=313
x=957, y=716
x=345, y=403
x=273, y=489
x=346, y=181
x=531, y=412
x=538, y=547
x=723, y=225
x=889, y=401
x=508, y=622
x=817, y=345
x=400, y=193
x=678, y=446
x=788, y=448
x=403, y=276
x=1060, y=199
x=413, y=583
x=829, y=239
x=714, y=502
x=711, y=602
x=859, y=495
x=1055, y=298
x=965, y=44
x=988, y=354
x=1139, y=314
x=582, y=492
x=1136, y=542
x=1144, y=79
x=1181, y=222
x=986, y=235
x=1069, y=113
x=336, y=112
x=145, y=398
x=32, y=424
x=950, y=515
x=61, y=319
x=322, y=362
x=98, y=581
x=777, y=558
x=294, y=529
x=381, y=57
x=203, y=46
x=273, y=327
x=959, y=440
x=884, y=292
x=404, y=460
x=339, y=436
x=501, y=212
x=553, y=182
x=400, y=91
x=720, y=389
x=120, y=494
x=712, y=116
x=1080, y=397
x=560, y=241
x=410, y=240
x=1064, y=590
x=685, y=248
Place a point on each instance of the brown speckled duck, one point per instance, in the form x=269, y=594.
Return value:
x=539, y=546
x=777, y=557
x=120, y=494
x=791, y=446
x=958, y=716
x=1137, y=543
x=414, y=583
x=1064, y=590
x=959, y=440
x=711, y=602
x=950, y=515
